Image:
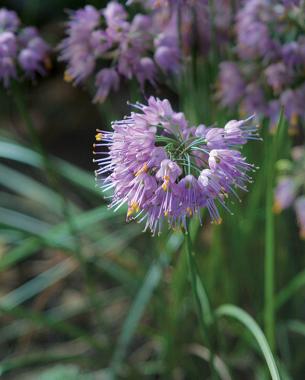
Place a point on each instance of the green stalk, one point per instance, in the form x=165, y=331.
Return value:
x=54, y=183
x=269, y=262
x=269, y=259
x=202, y=303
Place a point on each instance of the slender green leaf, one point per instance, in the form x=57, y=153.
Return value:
x=138, y=306
x=14, y=151
x=297, y=327
x=37, y=284
x=29, y=188
x=25, y=223
x=42, y=320
x=56, y=236
x=249, y=323
x=297, y=283
x=33, y=359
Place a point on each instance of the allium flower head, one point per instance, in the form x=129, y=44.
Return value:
x=269, y=68
x=9, y=20
x=104, y=45
x=167, y=171
x=192, y=25
x=22, y=50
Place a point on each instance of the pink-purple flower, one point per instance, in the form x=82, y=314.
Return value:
x=105, y=46
x=290, y=189
x=22, y=50
x=268, y=71
x=166, y=170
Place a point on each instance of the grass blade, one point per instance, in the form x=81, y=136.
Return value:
x=57, y=236
x=297, y=327
x=30, y=189
x=138, y=307
x=37, y=284
x=289, y=290
x=42, y=320
x=249, y=323
x=21, y=222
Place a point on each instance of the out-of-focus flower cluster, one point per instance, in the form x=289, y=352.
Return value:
x=22, y=50
x=103, y=44
x=194, y=25
x=269, y=69
x=166, y=170
x=290, y=190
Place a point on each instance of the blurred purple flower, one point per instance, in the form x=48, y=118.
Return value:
x=253, y=38
x=290, y=189
x=231, y=84
x=33, y=57
x=9, y=20
x=269, y=67
x=277, y=76
x=293, y=53
x=293, y=103
x=285, y=193
x=20, y=46
x=8, y=51
x=106, y=79
x=77, y=49
x=106, y=39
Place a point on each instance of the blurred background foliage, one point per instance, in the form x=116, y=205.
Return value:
x=82, y=293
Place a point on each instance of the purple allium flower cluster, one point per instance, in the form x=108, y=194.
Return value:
x=290, y=189
x=164, y=169
x=103, y=44
x=192, y=24
x=269, y=70
x=22, y=50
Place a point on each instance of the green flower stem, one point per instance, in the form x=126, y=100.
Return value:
x=55, y=184
x=202, y=303
x=269, y=264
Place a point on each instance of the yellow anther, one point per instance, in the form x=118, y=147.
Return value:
x=48, y=63
x=217, y=221
x=67, y=77
x=165, y=183
x=166, y=213
x=294, y=119
x=133, y=208
x=189, y=211
x=293, y=130
x=99, y=137
x=144, y=169
x=158, y=4
x=242, y=111
x=277, y=208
